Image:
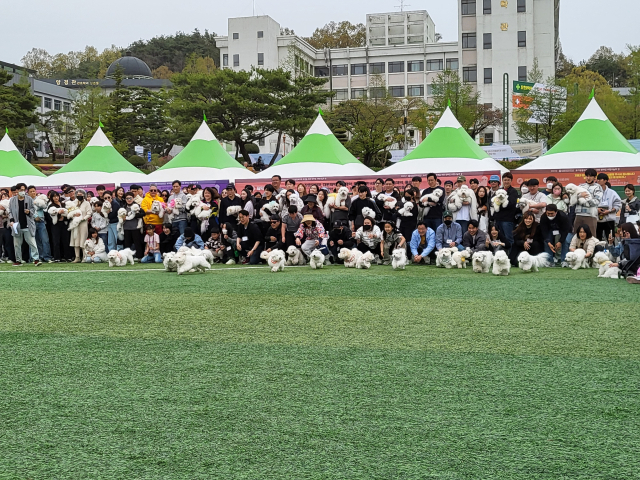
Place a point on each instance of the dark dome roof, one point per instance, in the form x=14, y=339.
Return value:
x=132, y=67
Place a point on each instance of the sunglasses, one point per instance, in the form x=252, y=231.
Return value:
x=107, y=198
x=153, y=191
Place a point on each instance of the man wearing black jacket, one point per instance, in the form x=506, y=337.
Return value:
x=355, y=211
x=388, y=213
x=506, y=218
x=249, y=239
x=433, y=218
x=274, y=235
x=555, y=226
x=339, y=237
x=112, y=234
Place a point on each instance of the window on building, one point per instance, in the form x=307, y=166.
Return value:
x=415, y=66
x=341, y=94
x=396, y=91
x=522, y=6
x=376, y=68
x=470, y=74
x=236, y=36
x=359, y=69
x=435, y=65
x=522, y=74
x=468, y=7
x=225, y=60
x=260, y=34
x=415, y=91
x=236, y=60
x=522, y=39
x=378, y=92
x=396, y=67
x=47, y=102
x=488, y=137
x=486, y=41
x=468, y=40
x=486, y=7
x=261, y=142
x=321, y=71
x=452, y=64
x=66, y=106
x=488, y=75
x=57, y=105
x=339, y=70
x=260, y=58
x=358, y=93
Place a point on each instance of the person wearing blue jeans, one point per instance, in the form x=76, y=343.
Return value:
x=152, y=258
x=506, y=229
x=556, y=228
x=152, y=251
x=42, y=235
x=112, y=229
x=179, y=226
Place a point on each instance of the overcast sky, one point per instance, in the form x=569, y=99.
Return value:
x=62, y=26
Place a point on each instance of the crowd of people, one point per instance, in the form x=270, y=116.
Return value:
x=74, y=225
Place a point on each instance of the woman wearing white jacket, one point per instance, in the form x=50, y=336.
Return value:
x=94, y=249
x=463, y=204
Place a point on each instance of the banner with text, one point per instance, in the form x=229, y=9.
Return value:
x=400, y=180
x=618, y=177
x=88, y=188
x=217, y=184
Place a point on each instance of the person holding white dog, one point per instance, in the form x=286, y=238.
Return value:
x=391, y=239
x=311, y=235
x=23, y=226
x=585, y=240
x=423, y=241
x=588, y=213
x=94, y=248
x=368, y=237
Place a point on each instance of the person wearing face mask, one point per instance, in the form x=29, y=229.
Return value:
x=339, y=237
x=81, y=232
x=368, y=238
x=23, y=225
x=449, y=234
x=555, y=197
x=550, y=181
x=555, y=226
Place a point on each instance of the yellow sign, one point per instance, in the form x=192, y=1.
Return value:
x=504, y=3
x=504, y=27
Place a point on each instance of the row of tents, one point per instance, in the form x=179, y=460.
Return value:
x=593, y=142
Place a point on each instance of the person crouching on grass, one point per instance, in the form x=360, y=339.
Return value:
x=311, y=235
x=249, y=239
x=94, y=248
x=368, y=238
x=391, y=239
x=152, y=245
x=214, y=244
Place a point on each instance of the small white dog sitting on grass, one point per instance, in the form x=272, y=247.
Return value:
x=443, y=258
x=169, y=262
x=120, y=258
x=481, y=262
x=275, y=260
x=461, y=257
x=530, y=263
x=316, y=259
x=577, y=259
x=349, y=256
x=187, y=263
x=501, y=263
x=399, y=259
x=295, y=256
x=605, y=270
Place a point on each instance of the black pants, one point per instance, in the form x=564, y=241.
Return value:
x=289, y=239
x=7, y=244
x=59, y=240
x=134, y=238
x=335, y=249
x=605, y=228
x=364, y=248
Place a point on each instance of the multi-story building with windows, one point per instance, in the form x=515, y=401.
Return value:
x=495, y=37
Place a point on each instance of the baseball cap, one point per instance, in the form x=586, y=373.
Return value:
x=448, y=182
x=446, y=214
x=462, y=178
x=494, y=178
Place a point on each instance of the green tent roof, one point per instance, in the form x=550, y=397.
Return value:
x=12, y=163
x=99, y=156
x=448, y=140
x=203, y=150
x=593, y=132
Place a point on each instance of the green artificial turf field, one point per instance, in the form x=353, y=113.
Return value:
x=333, y=374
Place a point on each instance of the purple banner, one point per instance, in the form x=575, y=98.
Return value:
x=217, y=184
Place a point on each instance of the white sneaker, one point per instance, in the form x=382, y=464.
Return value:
x=231, y=262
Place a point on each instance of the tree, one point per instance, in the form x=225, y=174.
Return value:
x=539, y=119
x=610, y=65
x=118, y=121
x=287, y=31
x=56, y=128
x=17, y=104
x=339, y=35
x=633, y=73
x=38, y=59
x=162, y=72
x=195, y=64
x=89, y=106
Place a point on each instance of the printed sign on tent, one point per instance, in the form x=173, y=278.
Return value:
x=217, y=184
x=87, y=187
x=618, y=176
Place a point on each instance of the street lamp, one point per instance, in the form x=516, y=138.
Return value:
x=405, y=104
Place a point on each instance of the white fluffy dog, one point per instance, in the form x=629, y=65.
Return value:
x=174, y=205
x=577, y=260
x=390, y=202
x=430, y=197
x=316, y=259
x=481, y=262
x=368, y=212
x=187, y=263
x=54, y=212
x=72, y=209
x=605, y=268
x=399, y=259
x=4, y=206
x=531, y=263
x=295, y=256
x=169, y=262
x=500, y=200
x=157, y=208
x=461, y=257
x=106, y=208
x=405, y=211
x=443, y=258
x=233, y=210
x=196, y=252
x=350, y=256
x=122, y=216
x=275, y=259
x=120, y=258
x=523, y=203
x=574, y=192
x=455, y=202
x=40, y=201
x=269, y=209
x=364, y=260
x=501, y=263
